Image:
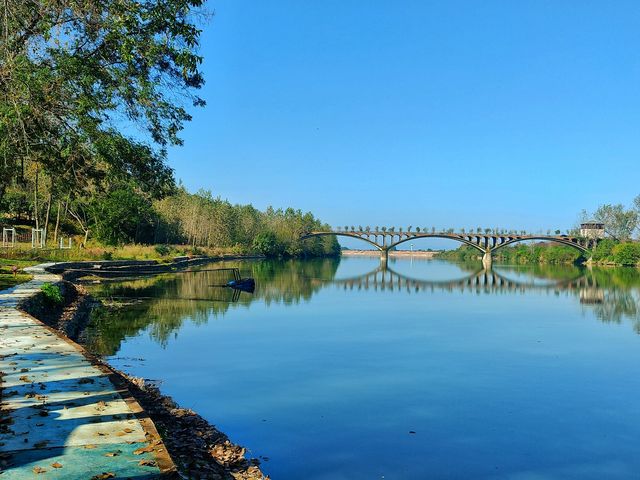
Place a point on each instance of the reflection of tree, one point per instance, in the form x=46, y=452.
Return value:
x=617, y=305
x=161, y=304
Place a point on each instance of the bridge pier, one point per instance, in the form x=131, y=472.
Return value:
x=487, y=260
x=384, y=258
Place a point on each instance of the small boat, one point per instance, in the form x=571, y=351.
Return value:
x=244, y=284
x=239, y=283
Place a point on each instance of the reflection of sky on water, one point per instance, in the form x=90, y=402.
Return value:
x=328, y=382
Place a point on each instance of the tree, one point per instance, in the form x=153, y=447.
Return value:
x=627, y=254
x=636, y=209
x=267, y=244
x=619, y=222
x=121, y=216
x=72, y=73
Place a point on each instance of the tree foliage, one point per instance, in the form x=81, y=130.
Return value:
x=627, y=254
x=73, y=73
x=202, y=220
x=619, y=222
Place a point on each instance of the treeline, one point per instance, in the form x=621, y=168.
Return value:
x=610, y=251
x=124, y=214
x=201, y=220
x=520, y=254
x=607, y=252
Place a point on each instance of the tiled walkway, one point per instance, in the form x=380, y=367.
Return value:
x=67, y=419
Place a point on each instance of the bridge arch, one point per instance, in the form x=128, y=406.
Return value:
x=438, y=235
x=341, y=234
x=560, y=240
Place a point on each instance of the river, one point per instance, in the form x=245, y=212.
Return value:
x=339, y=369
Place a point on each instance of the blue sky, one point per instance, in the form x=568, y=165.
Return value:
x=452, y=113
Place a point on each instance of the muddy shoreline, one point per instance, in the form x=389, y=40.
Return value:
x=198, y=449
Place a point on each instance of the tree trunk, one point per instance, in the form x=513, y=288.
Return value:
x=35, y=200
x=46, y=218
x=55, y=232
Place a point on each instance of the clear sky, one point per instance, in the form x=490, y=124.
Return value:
x=510, y=114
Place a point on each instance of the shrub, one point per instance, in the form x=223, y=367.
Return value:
x=267, y=244
x=627, y=253
x=603, y=250
x=52, y=294
x=107, y=255
x=162, y=250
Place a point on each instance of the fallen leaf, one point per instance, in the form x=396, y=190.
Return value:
x=39, y=470
x=147, y=463
x=56, y=465
x=140, y=451
x=104, y=476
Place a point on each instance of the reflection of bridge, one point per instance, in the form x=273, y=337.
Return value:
x=485, y=243
x=485, y=280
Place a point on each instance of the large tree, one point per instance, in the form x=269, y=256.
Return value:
x=79, y=77
x=619, y=222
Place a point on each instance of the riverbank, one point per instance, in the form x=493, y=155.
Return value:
x=62, y=414
x=198, y=449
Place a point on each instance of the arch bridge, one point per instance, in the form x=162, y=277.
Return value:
x=486, y=243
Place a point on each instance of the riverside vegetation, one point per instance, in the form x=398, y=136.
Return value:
x=92, y=96
x=620, y=223
x=608, y=252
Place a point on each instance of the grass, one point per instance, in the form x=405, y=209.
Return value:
x=8, y=280
x=23, y=255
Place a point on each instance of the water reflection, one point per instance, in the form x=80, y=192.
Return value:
x=161, y=304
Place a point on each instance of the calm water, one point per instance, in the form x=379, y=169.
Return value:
x=335, y=370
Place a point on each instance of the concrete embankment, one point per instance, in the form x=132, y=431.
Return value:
x=62, y=416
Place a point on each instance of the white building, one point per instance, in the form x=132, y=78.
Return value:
x=592, y=229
